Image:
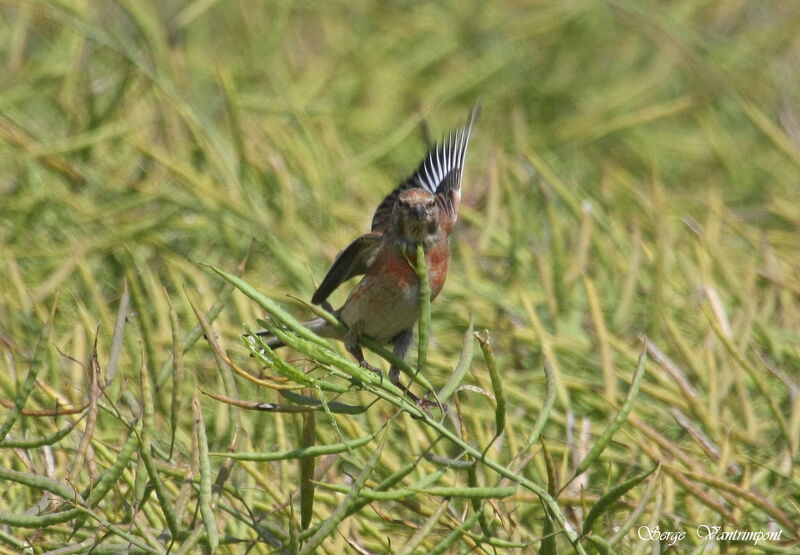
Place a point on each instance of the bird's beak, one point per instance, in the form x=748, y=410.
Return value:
x=418, y=211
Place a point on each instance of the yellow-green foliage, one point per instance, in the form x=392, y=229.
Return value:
x=632, y=187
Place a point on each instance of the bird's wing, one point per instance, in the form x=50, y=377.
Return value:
x=354, y=260
x=439, y=173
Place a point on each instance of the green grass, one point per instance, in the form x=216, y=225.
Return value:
x=631, y=188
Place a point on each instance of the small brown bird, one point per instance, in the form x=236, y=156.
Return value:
x=384, y=305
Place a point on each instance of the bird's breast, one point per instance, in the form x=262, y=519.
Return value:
x=386, y=301
x=401, y=266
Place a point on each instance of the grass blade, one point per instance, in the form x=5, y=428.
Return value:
x=547, y=407
x=607, y=501
x=464, y=363
x=424, y=324
x=497, y=386
x=30, y=379
x=299, y=453
x=617, y=422
x=307, y=439
x=341, y=512
x=205, y=501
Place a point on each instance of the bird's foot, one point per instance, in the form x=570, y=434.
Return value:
x=426, y=405
x=368, y=366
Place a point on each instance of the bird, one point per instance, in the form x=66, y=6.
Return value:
x=384, y=304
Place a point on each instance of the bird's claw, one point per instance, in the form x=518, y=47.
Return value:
x=425, y=405
x=368, y=366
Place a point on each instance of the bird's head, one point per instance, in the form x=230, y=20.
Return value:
x=415, y=216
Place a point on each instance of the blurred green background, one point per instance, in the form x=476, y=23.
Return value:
x=634, y=171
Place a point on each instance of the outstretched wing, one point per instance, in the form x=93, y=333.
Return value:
x=354, y=260
x=439, y=172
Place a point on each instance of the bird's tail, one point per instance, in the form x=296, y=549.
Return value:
x=317, y=325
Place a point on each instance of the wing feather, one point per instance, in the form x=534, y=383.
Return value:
x=354, y=260
x=439, y=173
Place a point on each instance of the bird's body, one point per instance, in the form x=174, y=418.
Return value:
x=392, y=289
x=384, y=305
